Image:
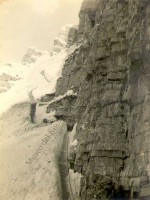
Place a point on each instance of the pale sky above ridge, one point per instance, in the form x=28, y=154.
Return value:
x=25, y=23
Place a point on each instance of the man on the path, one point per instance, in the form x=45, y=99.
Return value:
x=32, y=106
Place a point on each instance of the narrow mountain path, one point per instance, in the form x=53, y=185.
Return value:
x=64, y=168
x=70, y=181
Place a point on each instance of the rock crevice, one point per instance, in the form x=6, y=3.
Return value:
x=109, y=71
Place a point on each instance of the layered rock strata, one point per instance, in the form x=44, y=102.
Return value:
x=110, y=72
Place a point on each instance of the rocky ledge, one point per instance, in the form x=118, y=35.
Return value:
x=109, y=73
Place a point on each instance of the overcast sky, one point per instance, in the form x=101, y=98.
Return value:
x=26, y=23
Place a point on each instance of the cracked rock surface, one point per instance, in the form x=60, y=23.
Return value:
x=110, y=72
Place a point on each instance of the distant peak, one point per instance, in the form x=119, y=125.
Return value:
x=32, y=54
x=62, y=40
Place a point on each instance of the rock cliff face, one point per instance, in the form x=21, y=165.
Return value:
x=110, y=73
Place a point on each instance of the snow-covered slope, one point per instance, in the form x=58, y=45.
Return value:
x=39, y=71
x=29, y=156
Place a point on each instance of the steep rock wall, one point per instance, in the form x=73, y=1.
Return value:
x=109, y=71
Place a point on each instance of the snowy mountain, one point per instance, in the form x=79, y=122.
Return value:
x=39, y=70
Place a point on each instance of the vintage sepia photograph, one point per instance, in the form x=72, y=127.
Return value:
x=74, y=99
